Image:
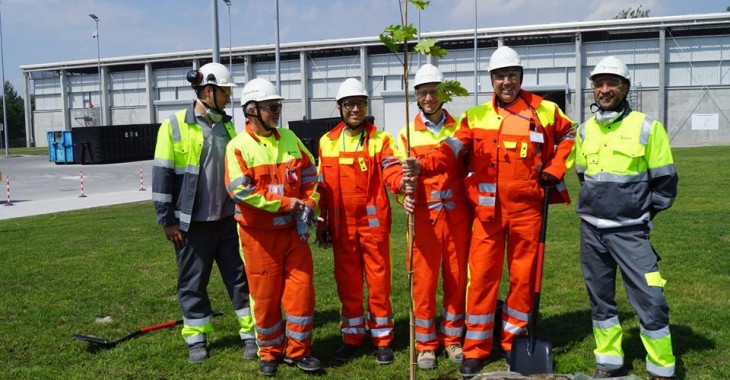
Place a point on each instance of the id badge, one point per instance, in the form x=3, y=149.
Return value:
x=276, y=188
x=537, y=137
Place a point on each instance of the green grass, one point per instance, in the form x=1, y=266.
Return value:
x=35, y=151
x=60, y=272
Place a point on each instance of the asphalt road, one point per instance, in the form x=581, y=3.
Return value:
x=38, y=186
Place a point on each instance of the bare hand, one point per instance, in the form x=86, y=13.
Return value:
x=324, y=238
x=411, y=167
x=548, y=180
x=174, y=235
x=409, y=203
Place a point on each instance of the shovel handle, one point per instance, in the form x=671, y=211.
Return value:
x=541, y=243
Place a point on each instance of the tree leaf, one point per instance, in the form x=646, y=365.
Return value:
x=420, y=4
x=389, y=42
x=428, y=47
x=449, y=88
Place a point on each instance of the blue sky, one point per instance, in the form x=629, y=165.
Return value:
x=47, y=31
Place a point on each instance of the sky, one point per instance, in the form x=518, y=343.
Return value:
x=50, y=31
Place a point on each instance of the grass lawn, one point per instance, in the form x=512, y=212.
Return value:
x=34, y=151
x=62, y=273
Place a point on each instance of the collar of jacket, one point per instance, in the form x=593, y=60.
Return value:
x=335, y=133
x=190, y=115
x=533, y=100
x=249, y=130
x=420, y=124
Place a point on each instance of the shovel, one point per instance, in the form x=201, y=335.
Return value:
x=531, y=355
x=105, y=343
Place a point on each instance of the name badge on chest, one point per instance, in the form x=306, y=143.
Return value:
x=537, y=137
x=276, y=188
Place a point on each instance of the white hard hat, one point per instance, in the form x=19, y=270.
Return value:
x=351, y=87
x=503, y=57
x=428, y=73
x=259, y=90
x=215, y=74
x=611, y=65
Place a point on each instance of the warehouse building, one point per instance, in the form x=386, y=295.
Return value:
x=679, y=67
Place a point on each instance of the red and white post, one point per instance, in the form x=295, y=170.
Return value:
x=141, y=179
x=7, y=188
x=81, y=175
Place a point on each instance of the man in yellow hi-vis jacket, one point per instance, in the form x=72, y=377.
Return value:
x=625, y=166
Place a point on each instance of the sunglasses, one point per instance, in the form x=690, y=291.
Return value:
x=610, y=82
x=350, y=105
x=422, y=94
x=273, y=108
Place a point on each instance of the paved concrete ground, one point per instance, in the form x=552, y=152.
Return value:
x=38, y=186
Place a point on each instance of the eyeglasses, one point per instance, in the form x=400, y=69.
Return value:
x=513, y=76
x=610, y=82
x=422, y=94
x=350, y=105
x=273, y=108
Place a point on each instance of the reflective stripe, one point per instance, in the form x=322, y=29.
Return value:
x=282, y=220
x=480, y=318
x=161, y=197
x=238, y=181
x=246, y=335
x=390, y=161
x=662, y=171
x=446, y=194
x=301, y=336
x=272, y=342
x=308, y=179
x=450, y=316
x=657, y=370
x=580, y=169
x=374, y=222
x=184, y=218
x=436, y=206
x=455, y=144
x=192, y=339
x=486, y=201
x=487, y=187
x=163, y=163
x=646, y=130
x=269, y=331
x=175, y=129
x=353, y=330
x=381, y=333
x=478, y=335
x=425, y=337
x=177, y=214
x=309, y=170
x=353, y=321
x=610, y=359
x=371, y=210
x=425, y=323
x=196, y=322
x=511, y=328
x=245, y=312
x=656, y=334
x=452, y=331
x=303, y=321
x=516, y=314
x=618, y=178
x=607, y=324
x=450, y=205
x=381, y=320
x=192, y=169
x=608, y=223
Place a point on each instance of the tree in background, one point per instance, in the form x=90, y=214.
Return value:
x=15, y=108
x=633, y=13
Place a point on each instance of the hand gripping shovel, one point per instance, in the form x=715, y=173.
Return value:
x=531, y=355
x=111, y=343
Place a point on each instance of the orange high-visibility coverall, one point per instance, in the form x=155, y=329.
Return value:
x=506, y=148
x=443, y=226
x=356, y=208
x=262, y=179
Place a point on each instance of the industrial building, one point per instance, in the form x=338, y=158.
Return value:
x=679, y=68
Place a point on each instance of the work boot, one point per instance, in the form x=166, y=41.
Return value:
x=197, y=352
x=268, y=367
x=426, y=360
x=250, y=349
x=384, y=355
x=306, y=364
x=454, y=352
x=471, y=367
x=345, y=353
x=603, y=374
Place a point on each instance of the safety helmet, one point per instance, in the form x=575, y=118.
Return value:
x=611, y=65
x=258, y=90
x=503, y=57
x=351, y=87
x=211, y=73
x=428, y=73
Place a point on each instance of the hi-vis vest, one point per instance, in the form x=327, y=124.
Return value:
x=252, y=174
x=487, y=139
x=377, y=165
x=442, y=191
x=176, y=167
x=626, y=169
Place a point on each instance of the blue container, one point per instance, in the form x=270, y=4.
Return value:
x=60, y=147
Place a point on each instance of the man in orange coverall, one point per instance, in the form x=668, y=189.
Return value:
x=356, y=163
x=272, y=178
x=443, y=220
x=516, y=144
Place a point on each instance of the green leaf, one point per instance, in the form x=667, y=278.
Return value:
x=389, y=42
x=399, y=33
x=449, y=88
x=420, y=4
x=428, y=47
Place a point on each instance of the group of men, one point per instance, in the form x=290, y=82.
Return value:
x=474, y=185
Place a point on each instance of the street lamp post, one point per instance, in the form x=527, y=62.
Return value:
x=98, y=67
x=230, y=57
x=5, y=112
